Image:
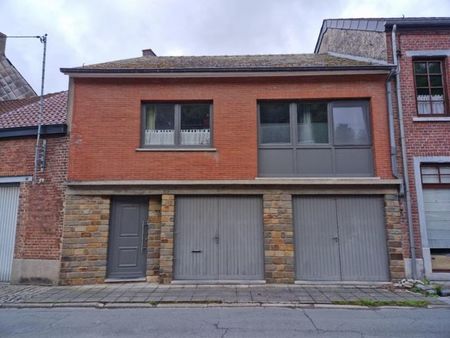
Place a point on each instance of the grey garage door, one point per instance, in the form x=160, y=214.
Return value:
x=9, y=203
x=437, y=215
x=218, y=238
x=340, y=239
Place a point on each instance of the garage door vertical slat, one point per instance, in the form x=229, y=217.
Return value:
x=362, y=239
x=9, y=203
x=195, y=248
x=317, y=252
x=241, y=238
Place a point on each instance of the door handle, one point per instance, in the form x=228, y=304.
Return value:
x=144, y=225
x=196, y=251
x=216, y=238
x=336, y=239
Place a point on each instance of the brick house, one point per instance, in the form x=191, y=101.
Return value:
x=31, y=213
x=421, y=48
x=12, y=84
x=267, y=168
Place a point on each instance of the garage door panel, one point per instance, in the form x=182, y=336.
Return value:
x=437, y=215
x=196, y=255
x=241, y=238
x=362, y=239
x=317, y=251
x=9, y=203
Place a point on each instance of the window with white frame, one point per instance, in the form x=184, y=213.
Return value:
x=176, y=125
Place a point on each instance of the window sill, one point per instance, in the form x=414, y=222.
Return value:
x=176, y=149
x=432, y=119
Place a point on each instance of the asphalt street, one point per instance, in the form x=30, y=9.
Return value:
x=224, y=322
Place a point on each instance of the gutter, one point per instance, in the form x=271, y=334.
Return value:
x=54, y=129
x=404, y=155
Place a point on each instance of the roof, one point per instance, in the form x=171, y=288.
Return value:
x=381, y=24
x=27, y=115
x=12, y=84
x=9, y=105
x=226, y=63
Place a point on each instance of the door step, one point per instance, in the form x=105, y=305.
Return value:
x=125, y=280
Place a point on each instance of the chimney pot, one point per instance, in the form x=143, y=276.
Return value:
x=148, y=52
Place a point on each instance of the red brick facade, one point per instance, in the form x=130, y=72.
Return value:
x=106, y=127
x=40, y=217
x=423, y=138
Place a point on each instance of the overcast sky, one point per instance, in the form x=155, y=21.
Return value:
x=92, y=31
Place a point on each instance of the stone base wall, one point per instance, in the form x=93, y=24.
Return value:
x=85, y=240
x=86, y=228
x=278, y=238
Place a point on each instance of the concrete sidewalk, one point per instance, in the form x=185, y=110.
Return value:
x=144, y=294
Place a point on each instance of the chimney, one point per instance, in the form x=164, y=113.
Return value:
x=2, y=43
x=148, y=52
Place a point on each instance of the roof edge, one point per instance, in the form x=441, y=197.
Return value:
x=52, y=129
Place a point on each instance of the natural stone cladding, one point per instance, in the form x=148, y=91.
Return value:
x=167, y=225
x=85, y=240
x=278, y=238
x=394, y=236
x=153, y=239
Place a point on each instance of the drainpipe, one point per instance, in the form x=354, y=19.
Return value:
x=404, y=155
x=394, y=164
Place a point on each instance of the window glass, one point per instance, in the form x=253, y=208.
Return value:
x=434, y=67
x=430, y=174
x=195, y=129
x=312, y=123
x=274, y=120
x=420, y=67
x=429, y=87
x=159, y=124
x=351, y=126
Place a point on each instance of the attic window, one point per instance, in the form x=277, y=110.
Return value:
x=429, y=81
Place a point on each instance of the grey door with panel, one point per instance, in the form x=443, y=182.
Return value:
x=218, y=238
x=127, y=249
x=340, y=239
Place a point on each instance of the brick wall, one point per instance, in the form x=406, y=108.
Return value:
x=422, y=138
x=40, y=215
x=107, y=120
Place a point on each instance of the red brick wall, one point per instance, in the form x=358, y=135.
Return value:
x=422, y=138
x=40, y=217
x=106, y=124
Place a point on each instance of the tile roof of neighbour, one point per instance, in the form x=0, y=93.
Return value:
x=381, y=24
x=12, y=84
x=227, y=63
x=55, y=113
x=9, y=105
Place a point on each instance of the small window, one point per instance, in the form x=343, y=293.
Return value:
x=351, y=125
x=177, y=125
x=435, y=174
x=275, y=127
x=312, y=123
x=429, y=87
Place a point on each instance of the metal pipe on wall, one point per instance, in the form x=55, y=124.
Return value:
x=404, y=155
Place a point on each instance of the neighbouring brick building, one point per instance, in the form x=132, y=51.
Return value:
x=266, y=168
x=31, y=213
x=421, y=48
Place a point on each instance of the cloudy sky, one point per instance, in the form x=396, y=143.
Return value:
x=92, y=31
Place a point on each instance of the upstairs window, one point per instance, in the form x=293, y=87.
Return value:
x=430, y=89
x=435, y=174
x=176, y=125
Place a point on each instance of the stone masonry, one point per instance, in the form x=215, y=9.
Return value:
x=167, y=226
x=153, y=239
x=85, y=240
x=278, y=238
x=394, y=236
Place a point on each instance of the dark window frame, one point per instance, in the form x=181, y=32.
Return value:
x=438, y=166
x=429, y=87
x=177, y=126
x=294, y=144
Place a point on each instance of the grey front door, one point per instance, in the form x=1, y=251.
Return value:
x=218, y=238
x=127, y=246
x=340, y=238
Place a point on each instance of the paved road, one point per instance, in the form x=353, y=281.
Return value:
x=224, y=322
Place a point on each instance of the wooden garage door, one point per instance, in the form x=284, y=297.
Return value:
x=218, y=238
x=340, y=239
x=9, y=203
